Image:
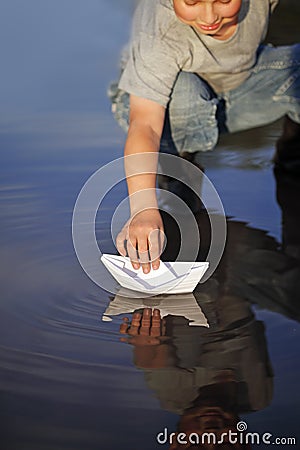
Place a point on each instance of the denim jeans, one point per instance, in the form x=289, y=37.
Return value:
x=196, y=115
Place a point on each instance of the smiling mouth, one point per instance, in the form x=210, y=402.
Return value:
x=209, y=27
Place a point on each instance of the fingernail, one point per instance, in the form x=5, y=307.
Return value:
x=135, y=265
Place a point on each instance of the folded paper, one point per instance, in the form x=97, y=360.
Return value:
x=172, y=277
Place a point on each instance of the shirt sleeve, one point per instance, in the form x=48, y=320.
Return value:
x=151, y=69
x=155, y=53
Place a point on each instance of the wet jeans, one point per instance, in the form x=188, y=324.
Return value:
x=196, y=115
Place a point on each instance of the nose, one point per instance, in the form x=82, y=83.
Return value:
x=208, y=15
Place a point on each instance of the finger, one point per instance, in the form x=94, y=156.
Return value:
x=124, y=326
x=156, y=318
x=133, y=331
x=155, y=264
x=143, y=253
x=156, y=323
x=146, y=322
x=120, y=242
x=136, y=319
x=146, y=317
x=156, y=246
x=132, y=253
x=135, y=324
x=146, y=268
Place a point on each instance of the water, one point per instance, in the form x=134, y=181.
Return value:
x=67, y=380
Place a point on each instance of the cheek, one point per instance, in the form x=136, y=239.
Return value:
x=232, y=9
x=184, y=13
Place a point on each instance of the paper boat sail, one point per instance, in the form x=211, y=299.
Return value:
x=184, y=305
x=172, y=277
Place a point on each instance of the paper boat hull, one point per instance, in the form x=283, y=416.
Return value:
x=171, y=278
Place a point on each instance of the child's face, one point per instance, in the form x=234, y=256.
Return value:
x=211, y=17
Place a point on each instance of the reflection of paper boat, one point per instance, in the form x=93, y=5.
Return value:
x=171, y=277
x=176, y=305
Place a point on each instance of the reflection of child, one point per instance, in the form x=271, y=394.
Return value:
x=196, y=68
x=207, y=376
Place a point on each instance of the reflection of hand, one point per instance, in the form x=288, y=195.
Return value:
x=144, y=329
x=147, y=334
x=145, y=238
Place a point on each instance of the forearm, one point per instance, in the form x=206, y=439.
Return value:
x=143, y=233
x=141, y=156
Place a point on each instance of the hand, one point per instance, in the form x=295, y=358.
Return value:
x=147, y=334
x=144, y=237
x=144, y=329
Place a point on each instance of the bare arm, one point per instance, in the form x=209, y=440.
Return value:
x=142, y=146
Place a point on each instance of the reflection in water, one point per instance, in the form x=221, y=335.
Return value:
x=175, y=305
x=288, y=199
x=209, y=376
x=66, y=382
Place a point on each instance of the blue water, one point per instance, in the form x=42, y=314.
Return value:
x=66, y=380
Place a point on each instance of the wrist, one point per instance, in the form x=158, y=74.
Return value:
x=143, y=200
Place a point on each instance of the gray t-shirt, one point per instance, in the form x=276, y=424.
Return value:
x=161, y=46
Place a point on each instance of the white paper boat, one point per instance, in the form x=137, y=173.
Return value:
x=171, y=277
x=176, y=305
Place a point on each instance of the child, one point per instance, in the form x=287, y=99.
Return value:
x=197, y=68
